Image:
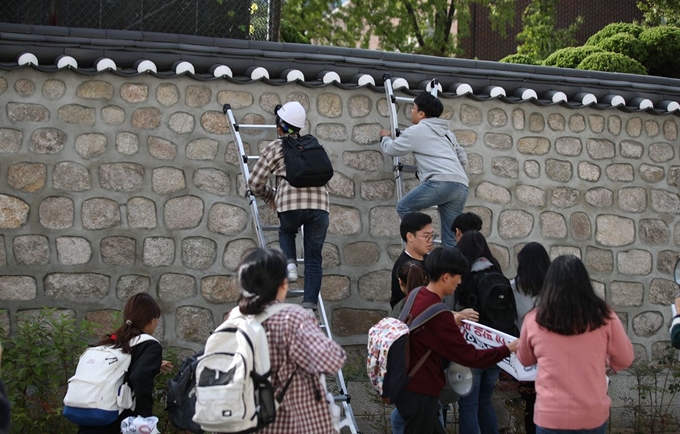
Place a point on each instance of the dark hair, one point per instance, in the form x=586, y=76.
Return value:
x=260, y=274
x=138, y=312
x=413, y=222
x=429, y=104
x=567, y=304
x=473, y=246
x=467, y=221
x=287, y=128
x=444, y=260
x=412, y=274
x=532, y=264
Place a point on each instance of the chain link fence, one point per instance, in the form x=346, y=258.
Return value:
x=239, y=19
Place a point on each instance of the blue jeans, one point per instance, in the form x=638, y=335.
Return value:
x=315, y=222
x=450, y=198
x=477, y=415
x=599, y=430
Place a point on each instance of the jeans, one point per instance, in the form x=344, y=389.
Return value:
x=450, y=198
x=315, y=223
x=477, y=415
x=599, y=430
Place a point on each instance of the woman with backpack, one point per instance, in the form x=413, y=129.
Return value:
x=573, y=335
x=532, y=265
x=477, y=414
x=298, y=350
x=140, y=316
x=410, y=275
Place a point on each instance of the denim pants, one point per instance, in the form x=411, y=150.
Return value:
x=476, y=412
x=315, y=222
x=599, y=430
x=450, y=198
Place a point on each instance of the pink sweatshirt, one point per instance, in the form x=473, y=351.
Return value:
x=571, y=386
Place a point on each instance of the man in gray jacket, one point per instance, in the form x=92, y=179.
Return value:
x=440, y=160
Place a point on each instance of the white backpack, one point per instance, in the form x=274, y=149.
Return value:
x=93, y=396
x=233, y=390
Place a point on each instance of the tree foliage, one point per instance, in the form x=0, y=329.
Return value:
x=540, y=36
x=522, y=59
x=570, y=57
x=612, y=62
x=663, y=49
x=627, y=44
x=612, y=29
x=408, y=26
x=660, y=12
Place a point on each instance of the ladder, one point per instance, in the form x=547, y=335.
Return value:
x=398, y=167
x=344, y=397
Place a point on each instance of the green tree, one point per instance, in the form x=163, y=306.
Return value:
x=660, y=12
x=539, y=36
x=408, y=26
x=612, y=62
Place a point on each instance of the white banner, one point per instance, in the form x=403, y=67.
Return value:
x=484, y=337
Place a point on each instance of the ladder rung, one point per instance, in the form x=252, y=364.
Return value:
x=408, y=168
x=251, y=157
x=342, y=398
x=270, y=228
x=255, y=126
x=295, y=292
x=403, y=98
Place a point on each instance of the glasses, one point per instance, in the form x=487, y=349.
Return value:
x=427, y=237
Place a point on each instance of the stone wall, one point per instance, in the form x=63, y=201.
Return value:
x=110, y=186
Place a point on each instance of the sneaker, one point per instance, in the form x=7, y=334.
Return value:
x=292, y=273
x=309, y=305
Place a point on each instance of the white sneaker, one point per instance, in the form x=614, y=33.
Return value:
x=292, y=273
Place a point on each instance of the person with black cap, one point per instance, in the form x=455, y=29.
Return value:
x=296, y=206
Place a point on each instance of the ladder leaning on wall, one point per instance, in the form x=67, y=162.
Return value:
x=244, y=159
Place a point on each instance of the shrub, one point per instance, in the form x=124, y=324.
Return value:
x=290, y=33
x=612, y=29
x=663, y=50
x=521, y=59
x=570, y=57
x=627, y=44
x=612, y=62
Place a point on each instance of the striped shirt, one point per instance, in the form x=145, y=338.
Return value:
x=287, y=197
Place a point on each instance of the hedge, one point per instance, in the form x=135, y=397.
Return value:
x=627, y=44
x=612, y=62
x=520, y=58
x=663, y=50
x=612, y=29
x=570, y=57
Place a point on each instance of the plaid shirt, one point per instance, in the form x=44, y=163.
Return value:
x=297, y=345
x=287, y=197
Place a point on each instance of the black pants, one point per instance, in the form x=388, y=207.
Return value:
x=527, y=390
x=420, y=413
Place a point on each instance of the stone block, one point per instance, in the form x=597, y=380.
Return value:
x=674, y=176
x=269, y=101
x=670, y=130
x=631, y=149
x=134, y=92
x=596, y=123
x=344, y=220
x=141, y=213
x=530, y=195
x=377, y=190
x=581, y=229
x=533, y=145
x=394, y=250
x=214, y=122
x=28, y=177
x=366, y=134
x=158, y=251
x=181, y=123
x=553, y=225
x=202, y=149
x=493, y=193
x=176, y=287
x=237, y=99
x=113, y=115
x=557, y=251
x=599, y=260
x=498, y=141
x=532, y=168
x=71, y=176
x=127, y=143
x=335, y=288
x=166, y=180
x=661, y=152
x=161, y=149
x=13, y=212
x=94, y=89
x=646, y=324
x=350, y=322
x=234, y=251
x=193, y=324
x=199, y=96
x=518, y=119
x=341, y=186
x=665, y=202
x=330, y=255
x=3, y=85
x=569, y=146
x=359, y=106
x=24, y=87
x=20, y=112
x=76, y=286
x=632, y=199
x=131, y=284
x=620, y=172
x=501, y=253
x=601, y=149
x=577, y=123
x=651, y=174
x=10, y=140
x=220, y=289
x=77, y=114
x=663, y=292
x=614, y=231
x=654, y=231
x=118, y=250
x=466, y=138
x=212, y=180
x=361, y=254
x=514, y=224
x=600, y=197
x=227, y=219
x=470, y=116
x=100, y=213
x=184, y=212
x=634, y=127
x=666, y=260
x=536, y=122
x=475, y=165
x=300, y=97
x=652, y=128
x=125, y=177
x=47, y=141
x=56, y=212
x=146, y=118
x=556, y=122
x=104, y=320
x=167, y=94
x=369, y=161
x=627, y=293
x=73, y=250
x=558, y=170
x=198, y=253
x=505, y=167
x=5, y=328
x=331, y=132
x=17, y=288
x=634, y=262
x=497, y=117
x=31, y=250
x=588, y=171
x=329, y=105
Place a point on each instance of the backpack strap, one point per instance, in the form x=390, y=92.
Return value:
x=271, y=310
x=141, y=338
x=406, y=311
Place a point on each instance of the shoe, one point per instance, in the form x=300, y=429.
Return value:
x=292, y=273
x=309, y=305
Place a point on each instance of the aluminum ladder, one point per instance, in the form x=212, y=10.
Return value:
x=344, y=397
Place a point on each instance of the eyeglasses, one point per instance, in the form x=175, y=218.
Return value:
x=427, y=237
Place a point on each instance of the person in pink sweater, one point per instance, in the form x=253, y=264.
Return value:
x=573, y=335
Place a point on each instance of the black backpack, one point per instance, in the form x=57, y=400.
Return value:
x=181, y=396
x=307, y=164
x=495, y=301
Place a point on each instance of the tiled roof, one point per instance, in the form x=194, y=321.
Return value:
x=129, y=53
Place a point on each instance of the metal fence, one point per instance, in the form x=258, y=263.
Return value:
x=240, y=19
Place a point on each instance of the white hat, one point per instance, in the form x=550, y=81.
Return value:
x=293, y=114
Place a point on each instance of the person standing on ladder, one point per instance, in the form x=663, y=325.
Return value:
x=296, y=207
x=440, y=160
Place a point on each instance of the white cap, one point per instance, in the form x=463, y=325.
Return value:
x=293, y=114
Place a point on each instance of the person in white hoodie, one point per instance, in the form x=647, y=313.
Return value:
x=440, y=160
